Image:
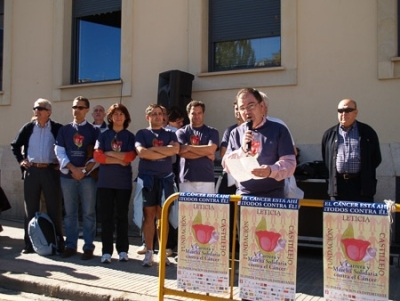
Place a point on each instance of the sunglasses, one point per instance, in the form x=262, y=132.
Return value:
x=346, y=110
x=40, y=109
x=79, y=107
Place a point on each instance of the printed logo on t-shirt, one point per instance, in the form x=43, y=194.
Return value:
x=116, y=145
x=255, y=147
x=157, y=142
x=78, y=139
x=194, y=140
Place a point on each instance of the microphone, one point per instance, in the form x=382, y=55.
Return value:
x=249, y=124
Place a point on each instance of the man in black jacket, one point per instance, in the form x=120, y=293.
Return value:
x=351, y=153
x=34, y=150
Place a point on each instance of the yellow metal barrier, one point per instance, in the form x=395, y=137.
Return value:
x=162, y=290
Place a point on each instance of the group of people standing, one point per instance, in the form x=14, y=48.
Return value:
x=88, y=166
x=77, y=166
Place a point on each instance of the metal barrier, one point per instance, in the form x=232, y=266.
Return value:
x=162, y=290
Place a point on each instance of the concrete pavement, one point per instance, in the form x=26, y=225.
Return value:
x=74, y=279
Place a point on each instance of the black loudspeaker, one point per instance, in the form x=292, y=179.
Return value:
x=174, y=89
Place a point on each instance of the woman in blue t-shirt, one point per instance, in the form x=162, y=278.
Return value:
x=115, y=150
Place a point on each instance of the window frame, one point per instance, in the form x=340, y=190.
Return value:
x=253, y=28
x=284, y=75
x=63, y=90
x=85, y=10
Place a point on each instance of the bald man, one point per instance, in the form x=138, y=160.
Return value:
x=98, y=115
x=351, y=153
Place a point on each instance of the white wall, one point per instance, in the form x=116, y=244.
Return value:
x=330, y=52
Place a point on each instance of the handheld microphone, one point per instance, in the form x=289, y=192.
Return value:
x=249, y=124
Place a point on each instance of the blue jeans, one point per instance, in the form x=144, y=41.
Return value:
x=83, y=191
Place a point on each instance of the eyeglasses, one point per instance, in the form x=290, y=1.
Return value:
x=345, y=110
x=79, y=107
x=250, y=107
x=40, y=109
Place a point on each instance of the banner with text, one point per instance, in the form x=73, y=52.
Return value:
x=268, y=248
x=203, y=263
x=356, y=251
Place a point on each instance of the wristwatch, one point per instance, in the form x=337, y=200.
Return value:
x=84, y=171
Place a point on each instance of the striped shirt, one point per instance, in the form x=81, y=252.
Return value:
x=41, y=144
x=348, y=154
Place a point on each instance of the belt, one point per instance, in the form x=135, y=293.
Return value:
x=43, y=165
x=347, y=176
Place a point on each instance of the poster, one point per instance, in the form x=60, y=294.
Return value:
x=203, y=263
x=268, y=248
x=356, y=251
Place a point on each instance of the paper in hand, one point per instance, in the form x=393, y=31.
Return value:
x=240, y=168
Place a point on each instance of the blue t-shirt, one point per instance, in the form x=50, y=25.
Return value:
x=201, y=169
x=274, y=142
x=225, y=136
x=152, y=138
x=115, y=176
x=76, y=140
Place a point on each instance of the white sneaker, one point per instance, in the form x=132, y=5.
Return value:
x=169, y=252
x=106, y=258
x=142, y=250
x=123, y=256
x=148, y=259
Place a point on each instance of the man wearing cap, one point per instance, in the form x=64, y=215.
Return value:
x=351, y=153
x=34, y=150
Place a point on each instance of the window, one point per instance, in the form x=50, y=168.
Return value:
x=96, y=41
x=244, y=34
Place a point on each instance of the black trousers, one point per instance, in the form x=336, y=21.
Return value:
x=48, y=181
x=350, y=190
x=109, y=199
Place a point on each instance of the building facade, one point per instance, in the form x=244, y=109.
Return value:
x=322, y=51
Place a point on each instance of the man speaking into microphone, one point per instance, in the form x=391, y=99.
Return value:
x=269, y=142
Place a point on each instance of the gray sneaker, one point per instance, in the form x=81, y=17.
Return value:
x=123, y=256
x=106, y=258
x=148, y=259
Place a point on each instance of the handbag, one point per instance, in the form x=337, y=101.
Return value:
x=291, y=189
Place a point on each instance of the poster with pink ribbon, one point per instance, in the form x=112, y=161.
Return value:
x=356, y=251
x=203, y=263
x=268, y=248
